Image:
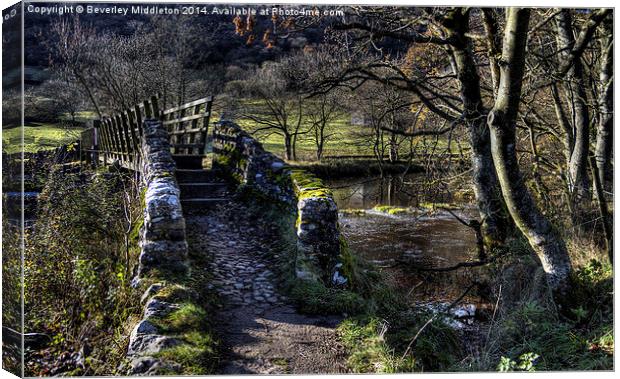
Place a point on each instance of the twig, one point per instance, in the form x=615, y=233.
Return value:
x=499, y=296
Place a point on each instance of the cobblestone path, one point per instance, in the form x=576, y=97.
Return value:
x=260, y=330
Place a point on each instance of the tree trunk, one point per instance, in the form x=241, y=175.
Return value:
x=485, y=183
x=604, y=130
x=549, y=247
x=319, y=146
x=577, y=170
x=608, y=227
x=288, y=152
x=393, y=153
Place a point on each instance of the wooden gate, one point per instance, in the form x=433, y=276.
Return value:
x=118, y=137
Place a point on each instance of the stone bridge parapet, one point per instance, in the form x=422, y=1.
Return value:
x=163, y=244
x=243, y=159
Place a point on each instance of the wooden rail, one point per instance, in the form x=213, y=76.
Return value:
x=188, y=126
x=118, y=137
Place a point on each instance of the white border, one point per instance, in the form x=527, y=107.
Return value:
x=529, y=3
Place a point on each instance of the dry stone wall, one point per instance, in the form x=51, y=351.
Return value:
x=163, y=256
x=243, y=159
x=163, y=244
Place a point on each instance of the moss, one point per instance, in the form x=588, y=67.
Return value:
x=308, y=185
x=164, y=175
x=391, y=210
x=175, y=294
x=434, y=206
x=189, y=317
x=282, y=363
x=353, y=212
x=134, y=235
x=197, y=354
x=368, y=350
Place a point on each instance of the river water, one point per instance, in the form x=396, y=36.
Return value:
x=398, y=244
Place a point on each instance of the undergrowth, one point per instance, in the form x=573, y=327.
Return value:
x=78, y=264
x=533, y=333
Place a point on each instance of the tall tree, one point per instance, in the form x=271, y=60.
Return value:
x=549, y=247
x=604, y=130
x=578, y=136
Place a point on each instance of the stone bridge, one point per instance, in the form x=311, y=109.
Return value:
x=189, y=167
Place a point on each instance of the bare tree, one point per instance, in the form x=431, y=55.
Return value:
x=271, y=105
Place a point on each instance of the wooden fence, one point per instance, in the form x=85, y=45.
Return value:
x=118, y=137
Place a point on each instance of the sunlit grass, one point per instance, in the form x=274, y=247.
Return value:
x=38, y=137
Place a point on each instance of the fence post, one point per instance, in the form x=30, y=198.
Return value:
x=155, y=107
x=96, y=125
x=206, y=120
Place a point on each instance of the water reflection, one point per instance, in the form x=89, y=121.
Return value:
x=365, y=193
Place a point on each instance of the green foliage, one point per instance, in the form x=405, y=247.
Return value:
x=369, y=352
x=77, y=264
x=189, y=316
x=378, y=345
x=525, y=362
x=580, y=337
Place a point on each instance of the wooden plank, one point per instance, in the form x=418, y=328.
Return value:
x=155, y=107
x=134, y=136
x=189, y=105
x=194, y=124
x=108, y=133
x=185, y=119
x=197, y=130
x=105, y=146
x=148, y=111
x=119, y=131
x=180, y=126
x=206, y=120
x=138, y=114
x=129, y=143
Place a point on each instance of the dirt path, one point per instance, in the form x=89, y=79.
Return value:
x=260, y=331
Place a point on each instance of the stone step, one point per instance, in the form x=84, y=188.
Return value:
x=201, y=204
x=196, y=176
x=187, y=161
x=203, y=190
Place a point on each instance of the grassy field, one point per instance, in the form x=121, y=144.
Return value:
x=348, y=140
x=344, y=142
x=38, y=137
x=43, y=135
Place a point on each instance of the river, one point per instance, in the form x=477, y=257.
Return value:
x=398, y=244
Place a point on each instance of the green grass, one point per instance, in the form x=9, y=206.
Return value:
x=38, y=137
x=314, y=298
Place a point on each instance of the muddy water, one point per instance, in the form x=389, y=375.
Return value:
x=399, y=244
